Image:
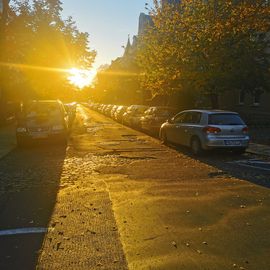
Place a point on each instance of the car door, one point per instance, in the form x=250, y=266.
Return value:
x=174, y=132
x=189, y=126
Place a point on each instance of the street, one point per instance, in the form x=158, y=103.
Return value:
x=116, y=198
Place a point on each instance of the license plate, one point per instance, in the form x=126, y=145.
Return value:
x=232, y=142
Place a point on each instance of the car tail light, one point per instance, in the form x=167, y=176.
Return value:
x=245, y=130
x=209, y=129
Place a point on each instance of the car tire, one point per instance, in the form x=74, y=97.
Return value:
x=196, y=146
x=163, y=137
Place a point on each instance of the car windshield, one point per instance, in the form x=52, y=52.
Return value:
x=42, y=109
x=225, y=119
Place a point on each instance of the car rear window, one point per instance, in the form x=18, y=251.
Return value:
x=39, y=109
x=225, y=119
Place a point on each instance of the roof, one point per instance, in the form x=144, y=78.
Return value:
x=45, y=101
x=210, y=111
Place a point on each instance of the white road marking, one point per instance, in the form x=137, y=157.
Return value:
x=23, y=231
x=253, y=163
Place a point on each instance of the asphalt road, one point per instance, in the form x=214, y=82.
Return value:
x=116, y=198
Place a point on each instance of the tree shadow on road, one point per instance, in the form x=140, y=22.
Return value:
x=29, y=183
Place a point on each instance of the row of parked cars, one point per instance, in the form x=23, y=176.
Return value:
x=139, y=117
x=198, y=129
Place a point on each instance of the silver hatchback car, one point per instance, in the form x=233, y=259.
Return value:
x=206, y=129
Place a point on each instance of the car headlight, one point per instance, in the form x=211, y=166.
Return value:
x=58, y=127
x=21, y=129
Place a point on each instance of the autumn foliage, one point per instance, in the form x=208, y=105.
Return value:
x=206, y=47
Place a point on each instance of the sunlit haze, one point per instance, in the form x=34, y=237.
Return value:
x=81, y=77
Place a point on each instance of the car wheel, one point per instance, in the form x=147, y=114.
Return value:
x=196, y=146
x=163, y=137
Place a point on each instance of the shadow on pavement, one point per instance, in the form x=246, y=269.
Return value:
x=226, y=162
x=29, y=183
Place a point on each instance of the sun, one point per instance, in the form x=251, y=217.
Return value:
x=81, y=77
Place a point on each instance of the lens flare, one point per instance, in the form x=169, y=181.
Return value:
x=81, y=77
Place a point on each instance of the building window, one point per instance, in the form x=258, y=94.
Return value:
x=257, y=96
x=242, y=97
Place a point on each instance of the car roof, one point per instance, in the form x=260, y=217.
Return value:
x=163, y=107
x=43, y=101
x=210, y=111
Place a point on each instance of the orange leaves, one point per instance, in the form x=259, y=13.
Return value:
x=200, y=41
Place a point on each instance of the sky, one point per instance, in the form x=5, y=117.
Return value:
x=108, y=22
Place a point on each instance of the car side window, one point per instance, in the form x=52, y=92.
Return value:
x=188, y=118
x=180, y=118
x=194, y=118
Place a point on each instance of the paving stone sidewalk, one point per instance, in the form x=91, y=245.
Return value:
x=7, y=139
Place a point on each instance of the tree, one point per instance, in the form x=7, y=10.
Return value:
x=119, y=82
x=206, y=47
x=41, y=48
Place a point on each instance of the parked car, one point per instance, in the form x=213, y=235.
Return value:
x=154, y=117
x=42, y=119
x=107, y=109
x=118, y=115
x=133, y=115
x=71, y=112
x=206, y=129
x=113, y=110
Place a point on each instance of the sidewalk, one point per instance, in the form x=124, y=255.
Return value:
x=7, y=139
x=259, y=149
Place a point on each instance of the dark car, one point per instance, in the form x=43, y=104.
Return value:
x=154, y=117
x=40, y=120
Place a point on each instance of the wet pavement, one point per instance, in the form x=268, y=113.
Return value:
x=116, y=198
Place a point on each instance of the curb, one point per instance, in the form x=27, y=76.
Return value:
x=259, y=149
